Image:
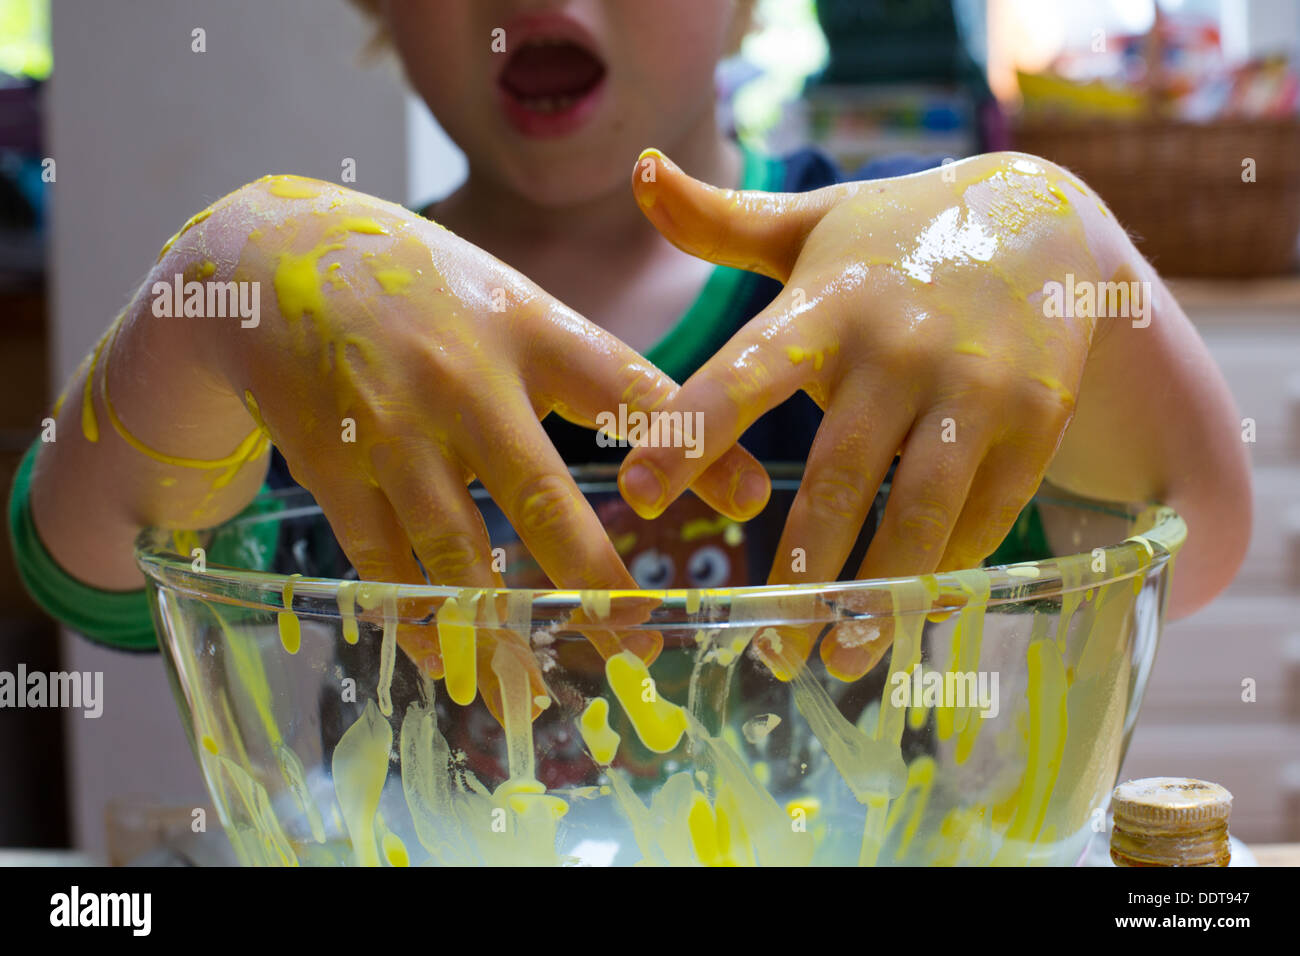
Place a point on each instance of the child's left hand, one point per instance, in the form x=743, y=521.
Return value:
x=912, y=314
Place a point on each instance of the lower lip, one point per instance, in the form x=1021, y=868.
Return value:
x=537, y=125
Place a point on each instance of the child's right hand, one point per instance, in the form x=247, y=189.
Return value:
x=394, y=362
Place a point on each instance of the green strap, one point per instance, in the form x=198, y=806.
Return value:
x=710, y=320
x=119, y=619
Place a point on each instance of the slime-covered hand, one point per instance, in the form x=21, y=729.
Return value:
x=912, y=315
x=394, y=362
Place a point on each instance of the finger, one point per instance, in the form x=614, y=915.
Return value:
x=1005, y=483
x=439, y=517
x=521, y=660
x=849, y=458
x=612, y=384
x=939, y=461
x=614, y=628
x=525, y=475
x=520, y=468
x=367, y=529
x=374, y=540
x=854, y=447
x=765, y=363
x=441, y=521
x=505, y=445
x=756, y=231
x=437, y=513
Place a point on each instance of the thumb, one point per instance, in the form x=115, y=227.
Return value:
x=756, y=231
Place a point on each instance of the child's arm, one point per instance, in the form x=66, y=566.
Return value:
x=913, y=313
x=389, y=360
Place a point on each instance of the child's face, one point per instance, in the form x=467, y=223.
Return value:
x=581, y=87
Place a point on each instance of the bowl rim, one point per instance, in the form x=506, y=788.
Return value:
x=165, y=559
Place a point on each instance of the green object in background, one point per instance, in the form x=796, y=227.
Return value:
x=25, y=38
x=874, y=41
x=1027, y=540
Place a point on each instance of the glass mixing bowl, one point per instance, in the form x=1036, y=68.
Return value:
x=331, y=727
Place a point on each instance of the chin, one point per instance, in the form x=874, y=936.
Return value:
x=556, y=183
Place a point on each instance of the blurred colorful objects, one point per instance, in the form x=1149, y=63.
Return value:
x=1176, y=70
x=25, y=39
x=25, y=62
x=1197, y=156
x=858, y=124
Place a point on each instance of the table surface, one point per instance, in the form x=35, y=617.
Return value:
x=1267, y=854
x=1277, y=854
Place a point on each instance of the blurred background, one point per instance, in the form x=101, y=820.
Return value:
x=1184, y=115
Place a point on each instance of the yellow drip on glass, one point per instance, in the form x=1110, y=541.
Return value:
x=360, y=767
x=395, y=850
x=347, y=596
x=658, y=722
x=388, y=651
x=457, y=641
x=721, y=812
x=600, y=738
x=523, y=793
x=287, y=621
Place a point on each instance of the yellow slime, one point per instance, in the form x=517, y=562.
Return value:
x=599, y=737
x=658, y=722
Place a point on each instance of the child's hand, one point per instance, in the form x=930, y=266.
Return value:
x=394, y=362
x=912, y=314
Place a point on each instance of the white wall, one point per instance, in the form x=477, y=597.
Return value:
x=435, y=166
x=1259, y=27
x=146, y=132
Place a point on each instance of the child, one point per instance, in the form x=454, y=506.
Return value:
x=910, y=310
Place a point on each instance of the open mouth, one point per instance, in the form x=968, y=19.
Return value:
x=550, y=85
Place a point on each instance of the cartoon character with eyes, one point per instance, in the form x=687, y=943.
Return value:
x=689, y=546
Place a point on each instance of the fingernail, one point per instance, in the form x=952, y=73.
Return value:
x=645, y=173
x=643, y=490
x=772, y=651
x=752, y=492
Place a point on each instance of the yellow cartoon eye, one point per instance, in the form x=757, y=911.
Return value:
x=708, y=567
x=652, y=569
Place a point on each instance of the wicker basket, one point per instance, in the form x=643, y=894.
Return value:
x=1177, y=187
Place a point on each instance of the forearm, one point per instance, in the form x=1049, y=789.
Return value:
x=1155, y=421
x=133, y=425
x=158, y=427
x=148, y=430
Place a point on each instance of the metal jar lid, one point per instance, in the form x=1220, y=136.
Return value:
x=1170, y=821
